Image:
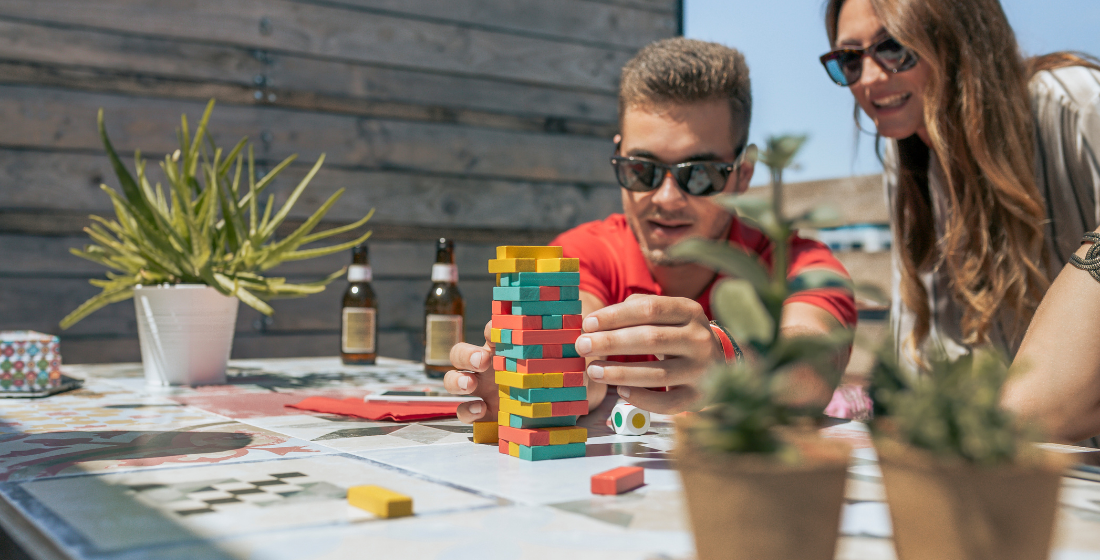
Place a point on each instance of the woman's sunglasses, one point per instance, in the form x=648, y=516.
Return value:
x=846, y=65
x=697, y=178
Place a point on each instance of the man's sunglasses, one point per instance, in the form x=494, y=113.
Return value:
x=846, y=65
x=698, y=178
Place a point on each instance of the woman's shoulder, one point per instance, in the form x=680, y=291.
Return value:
x=1072, y=86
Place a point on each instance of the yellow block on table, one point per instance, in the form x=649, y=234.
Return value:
x=485, y=432
x=380, y=501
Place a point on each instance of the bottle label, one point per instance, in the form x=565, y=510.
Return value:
x=445, y=273
x=443, y=332
x=358, y=330
x=360, y=273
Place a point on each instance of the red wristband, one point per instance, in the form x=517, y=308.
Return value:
x=729, y=348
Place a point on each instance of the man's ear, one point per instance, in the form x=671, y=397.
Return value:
x=617, y=139
x=744, y=176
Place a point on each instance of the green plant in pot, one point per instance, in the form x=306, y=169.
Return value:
x=962, y=478
x=189, y=252
x=758, y=481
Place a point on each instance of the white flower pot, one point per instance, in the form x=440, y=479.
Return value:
x=186, y=333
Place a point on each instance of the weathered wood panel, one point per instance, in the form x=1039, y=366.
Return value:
x=327, y=31
x=63, y=119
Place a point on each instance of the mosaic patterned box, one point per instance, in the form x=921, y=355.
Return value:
x=29, y=361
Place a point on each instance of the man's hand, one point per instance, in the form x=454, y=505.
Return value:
x=475, y=376
x=676, y=329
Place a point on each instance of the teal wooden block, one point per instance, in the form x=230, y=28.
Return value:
x=549, y=422
x=546, y=307
x=509, y=350
x=506, y=335
x=560, y=394
x=569, y=351
x=511, y=279
x=570, y=293
x=516, y=293
x=510, y=364
x=547, y=452
x=551, y=322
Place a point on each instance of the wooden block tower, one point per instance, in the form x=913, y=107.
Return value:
x=536, y=321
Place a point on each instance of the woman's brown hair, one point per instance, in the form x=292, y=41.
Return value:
x=977, y=113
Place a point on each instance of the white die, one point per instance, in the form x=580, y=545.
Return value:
x=629, y=420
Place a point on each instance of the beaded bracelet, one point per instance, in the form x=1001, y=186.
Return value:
x=1091, y=262
x=730, y=350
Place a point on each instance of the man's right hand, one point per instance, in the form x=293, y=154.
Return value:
x=474, y=376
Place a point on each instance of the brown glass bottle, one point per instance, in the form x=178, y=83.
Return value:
x=444, y=312
x=359, y=316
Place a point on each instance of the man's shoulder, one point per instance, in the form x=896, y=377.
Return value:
x=594, y=236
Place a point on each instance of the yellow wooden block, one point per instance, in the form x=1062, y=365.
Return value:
x=553, y=380
x=494, y=335
x=567, y=434
x=379, y=501
x=503, y=419
x=527, y=410
x=485, y=432
x=520, y=380
x=498, y=280
x=558, y=265
x=501, y=266
x=513, y=449
x=528, y=252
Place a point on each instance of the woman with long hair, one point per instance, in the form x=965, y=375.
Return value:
x=992, y=177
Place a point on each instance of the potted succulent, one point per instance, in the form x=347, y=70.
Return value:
x=187, y=254
x=962, y=478
x=759, y=482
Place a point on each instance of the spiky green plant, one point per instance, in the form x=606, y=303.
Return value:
x=953, y=410
x=206, y=229
x=745, y=402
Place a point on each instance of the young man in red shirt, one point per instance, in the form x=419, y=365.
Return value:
x=684, y=109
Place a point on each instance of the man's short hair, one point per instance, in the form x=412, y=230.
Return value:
x=683, y=71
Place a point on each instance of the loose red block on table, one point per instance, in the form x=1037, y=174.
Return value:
x=570, y=321
x=569, y=408
x=557, y=336
x=517, y=322
x=502, y=308
x=617, y=481
x=549, y=365
x=526, y=437
x=549, y=293
x=572, y=379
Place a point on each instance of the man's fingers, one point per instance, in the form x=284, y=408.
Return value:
x=470, y=412
x=657, y=373
x=468, y=356
x=460, y=382
x=648, y=340
x=642, y=310
x=675, y=400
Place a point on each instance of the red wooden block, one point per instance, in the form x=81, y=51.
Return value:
x=502, y=308
x=548, y=365
x=617, y=481
x=569, y=408
x=573, y=379
x=570, y=321
x=551, y=350
x=499, y=363
x=556, y=336
x=549, y=293
x=502, y=444
x=517, y=322
x=524, y=436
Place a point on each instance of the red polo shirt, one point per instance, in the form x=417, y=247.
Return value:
x=613, y=268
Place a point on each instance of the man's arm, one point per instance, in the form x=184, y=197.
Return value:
x=804, y=319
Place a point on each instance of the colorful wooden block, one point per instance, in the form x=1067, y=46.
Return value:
x=503, y=446
x=517, y=322
x=547, y=452
x=542, y=394
x=617, y=481
x=380, y=501
x=569, y=293
x=545, y=336
x=516, y=293
x=546, y=365
x=571, y=379
x=549, y=293
x=530, y=380
x=558, y=265
x=494, y=335
x=566, y=435
x=544, y=436
x=568, y=408
x=502, y=307
x=485, y=432
x=533, y=410
x=629, y=420
x=571, y=322
x=503, y=266
x=528, y=252
x=519, y=351
x=546, y=307
x=506, y=419
x=551, y=322
x=524, y=278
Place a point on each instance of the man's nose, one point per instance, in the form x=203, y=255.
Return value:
x=669, y=194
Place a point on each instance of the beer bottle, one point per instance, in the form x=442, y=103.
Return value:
x=444, y=312
x=359, y=316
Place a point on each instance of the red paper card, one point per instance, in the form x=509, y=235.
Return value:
x=379, y=410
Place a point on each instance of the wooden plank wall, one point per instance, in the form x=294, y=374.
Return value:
x=483, y=120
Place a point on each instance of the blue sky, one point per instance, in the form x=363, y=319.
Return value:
x=782, y=39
